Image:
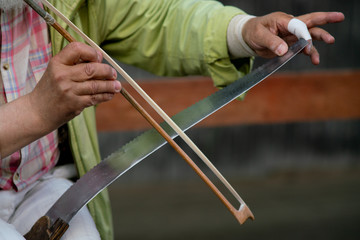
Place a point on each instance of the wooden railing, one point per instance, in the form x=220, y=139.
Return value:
x=283, y=97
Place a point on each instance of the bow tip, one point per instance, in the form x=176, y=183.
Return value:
x=243, y=214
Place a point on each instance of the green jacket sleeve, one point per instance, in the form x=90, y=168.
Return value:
x=172, y=37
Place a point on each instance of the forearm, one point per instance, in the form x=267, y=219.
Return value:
x=19, y=125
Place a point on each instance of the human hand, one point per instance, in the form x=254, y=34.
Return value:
x=75, y=79
x=269, y=36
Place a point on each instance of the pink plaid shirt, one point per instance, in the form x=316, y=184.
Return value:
x=25, y=53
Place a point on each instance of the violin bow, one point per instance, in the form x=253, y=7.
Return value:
x=241, y=214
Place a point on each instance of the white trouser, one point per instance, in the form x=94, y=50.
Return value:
x=20, y=210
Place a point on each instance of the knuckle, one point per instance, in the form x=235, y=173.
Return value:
x=90, y=101
x=280, y=14
x=273, y=43
x=93, y=100
x=110, y=87
x=108, y=96
x=99, y=98
x=75, y=46
x=94, y=87
x=74, y=110
x=77, y=112
x=59, y=76
x=105, y=97
x=89, y=69
x=111, y=96
x=65, y=89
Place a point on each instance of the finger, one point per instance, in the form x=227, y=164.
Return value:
x=91, y=100
x=314, y=55
x=77, y=52
x=91, y=71
x=320, y=34
x=97, y=87
x=321, y=18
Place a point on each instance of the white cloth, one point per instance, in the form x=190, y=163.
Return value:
x=237, y=46
x=20, y=210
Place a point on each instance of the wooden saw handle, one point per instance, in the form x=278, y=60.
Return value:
x=43, y=231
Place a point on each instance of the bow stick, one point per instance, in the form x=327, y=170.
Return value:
x=244, y=212
x=146, y=97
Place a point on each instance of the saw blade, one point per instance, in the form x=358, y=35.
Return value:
x=119, y=162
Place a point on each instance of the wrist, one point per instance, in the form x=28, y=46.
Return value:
x=237, y=46
x=20, y=126
x=37, y=118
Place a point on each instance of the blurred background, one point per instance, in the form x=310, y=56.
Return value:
x=292, y=155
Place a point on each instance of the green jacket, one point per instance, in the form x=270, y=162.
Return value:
x=165, y=37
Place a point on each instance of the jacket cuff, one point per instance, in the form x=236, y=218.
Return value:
x=238, y=48
x=220, y=66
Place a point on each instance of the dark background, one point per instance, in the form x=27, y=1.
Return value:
x=301, y=179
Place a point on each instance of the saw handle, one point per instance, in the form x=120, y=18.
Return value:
x=42, y=230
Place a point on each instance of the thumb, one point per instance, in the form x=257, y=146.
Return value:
x=272, y=42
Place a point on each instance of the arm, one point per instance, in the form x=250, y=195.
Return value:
x=189, y=37
x=75, y=79
x=171, y=37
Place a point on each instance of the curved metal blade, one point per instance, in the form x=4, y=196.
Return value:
x=115, y=165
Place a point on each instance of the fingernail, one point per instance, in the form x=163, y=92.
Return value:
x=281, y=50
x=117, y=86
x=308, y=49
x=99, y=55
x=114, y=73
x=331, y=39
